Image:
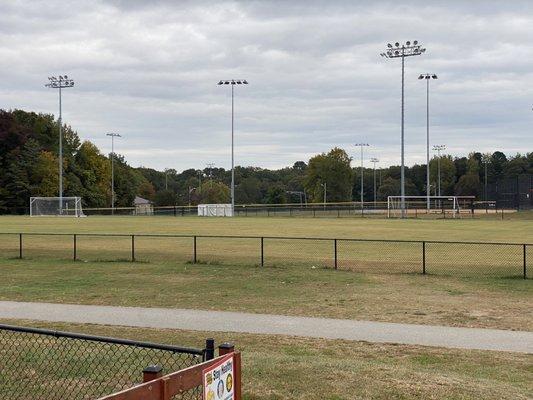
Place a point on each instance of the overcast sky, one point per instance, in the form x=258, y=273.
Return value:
x=149, y=71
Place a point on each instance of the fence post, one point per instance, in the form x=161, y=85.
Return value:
x=194, y=250
x=225, y=348
x=152, y=372
x=20, y=245
x=132, y=248
x=335, y=247
x=423, y=258
x=74, y=247
x=209, y=351
x=525, y=261
x=262, y=252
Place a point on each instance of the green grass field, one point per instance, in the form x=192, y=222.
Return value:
x=166, y=278
x=281, y=367
x=511, y=230
x=228, y=277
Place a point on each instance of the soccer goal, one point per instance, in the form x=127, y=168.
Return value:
x=419, y=204
x=56, y=206
x=215, y=210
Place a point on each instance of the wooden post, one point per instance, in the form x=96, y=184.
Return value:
x=20, y=245
x=225, y=348
x=237, y=381
x=152, y=372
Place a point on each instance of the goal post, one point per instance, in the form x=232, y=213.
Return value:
x=56, y=206
x=419, y=204
x=215, y=210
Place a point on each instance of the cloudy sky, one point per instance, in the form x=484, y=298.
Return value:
x=149, y=71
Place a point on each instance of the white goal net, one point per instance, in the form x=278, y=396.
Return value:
x=215, y=210
x=56, y=206
x=419, y=204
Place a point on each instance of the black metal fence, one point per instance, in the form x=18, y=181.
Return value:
x=369, y=209
x=513, y=193
x=360, y=255
x=53, y=365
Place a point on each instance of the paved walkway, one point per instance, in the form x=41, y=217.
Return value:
x=221, y=321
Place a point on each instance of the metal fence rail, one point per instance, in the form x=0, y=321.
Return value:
x=361, y=255
x=369, y=209
x=53, y=365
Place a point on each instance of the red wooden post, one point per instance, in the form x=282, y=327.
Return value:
x=237, y=364
x=225, y=348
x=152, y=372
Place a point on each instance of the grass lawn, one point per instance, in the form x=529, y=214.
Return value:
x=474, y=302
x=514, y=229
x=227, y=276
x=281, y=367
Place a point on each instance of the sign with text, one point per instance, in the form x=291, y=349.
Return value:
x=218, y=380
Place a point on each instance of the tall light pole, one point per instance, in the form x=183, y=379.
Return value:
x=439, y=148
x=486, y=159
x=233, y=82
x=61, y=82
x=427, y=77
x=324, y=185
x=113, y=136
x=362, y=145
x=374, y=161
x=401, y=51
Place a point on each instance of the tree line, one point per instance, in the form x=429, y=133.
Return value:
x=29, y=167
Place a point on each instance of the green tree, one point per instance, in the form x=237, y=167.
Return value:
x=332, y=169
x=276, y=195
x=213, y=193
x=447, y=174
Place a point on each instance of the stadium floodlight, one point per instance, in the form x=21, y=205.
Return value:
x=233, y=82
x=401, y=51
x=427, y=77
x=362, y=145
x=325, y=186
x=438, y=148
x=374, y=161
x=61, y=82
x=113, y=136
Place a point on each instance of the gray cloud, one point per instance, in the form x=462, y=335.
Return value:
x=149, y=70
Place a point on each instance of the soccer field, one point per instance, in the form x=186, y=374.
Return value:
x=227, y=275
x=518, y=229
x=383, y=247
x=228, y=278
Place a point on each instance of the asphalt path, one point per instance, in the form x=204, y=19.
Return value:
x=223, y=321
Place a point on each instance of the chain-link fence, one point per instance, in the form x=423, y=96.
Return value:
x=369, y=256
x=51, y=365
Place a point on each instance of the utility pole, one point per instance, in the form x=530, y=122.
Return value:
x=61, y=82
x=113, y=136
x=402, y=51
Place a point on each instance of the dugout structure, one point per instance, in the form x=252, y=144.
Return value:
x=56, y=206
x=437, y=204
x=215, y=210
